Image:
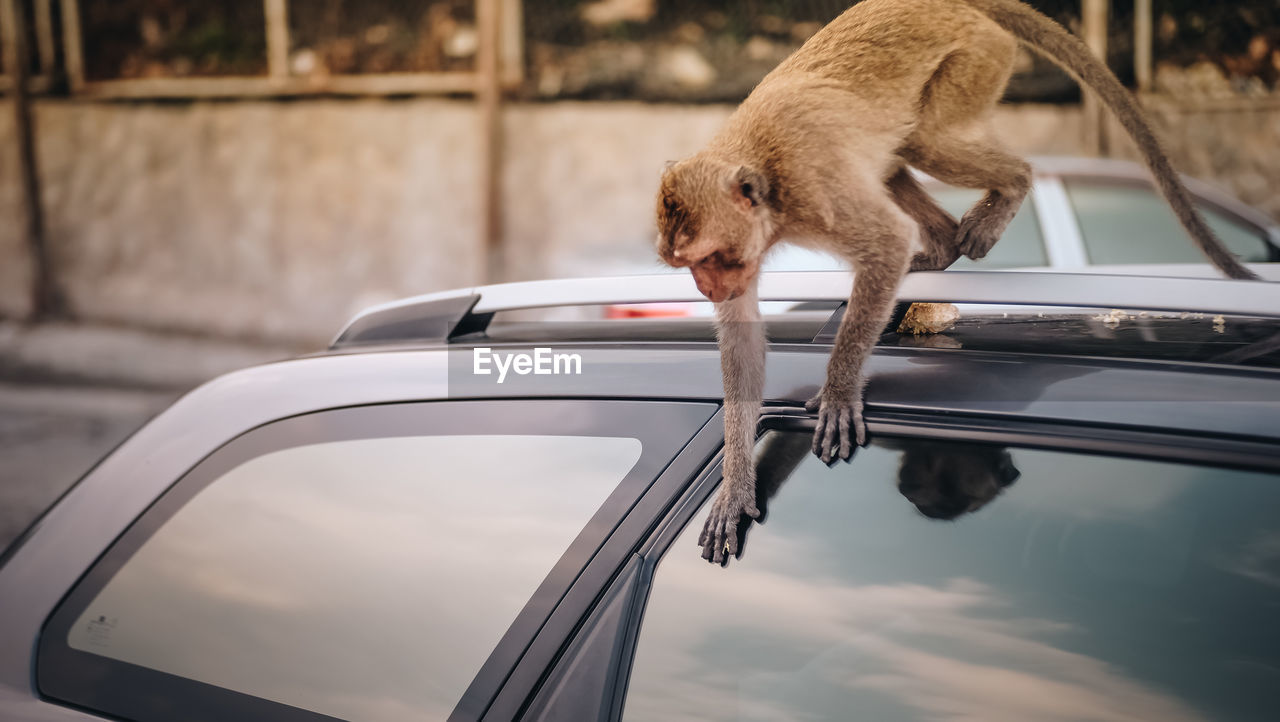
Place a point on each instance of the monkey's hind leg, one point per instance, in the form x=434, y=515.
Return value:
x=955, y=143
x=937, y=227
x=937, y=232
x=976, y=164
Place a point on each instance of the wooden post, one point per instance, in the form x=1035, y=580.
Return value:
x=47, y=300
x=72, y=45
x=1142, y=41
x=489, y=100
x=44, y=36
x=512, y=31
x=277, y=15
x=1094, y=29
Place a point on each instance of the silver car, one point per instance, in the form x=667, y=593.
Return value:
x=1100, y=215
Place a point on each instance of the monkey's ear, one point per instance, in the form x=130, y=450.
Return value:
x=1006, y=472
x=751, y=185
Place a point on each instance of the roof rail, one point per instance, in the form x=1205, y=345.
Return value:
x=437, y=317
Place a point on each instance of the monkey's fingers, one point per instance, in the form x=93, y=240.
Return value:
x=846, y=438
x=721, y=539
x=708, y=551
x=813, y=404
x=859, y=427
x=707, y=539
x=717, y=540
x=824, y=436
x=728, y=546
x=819, y=432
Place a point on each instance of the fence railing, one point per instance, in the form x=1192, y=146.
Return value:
x=576, y=48
x=282, y=76
x=38, y=21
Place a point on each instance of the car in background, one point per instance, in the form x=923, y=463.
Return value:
x=1086, y=213
x=1068, y=517
x=1083, y=215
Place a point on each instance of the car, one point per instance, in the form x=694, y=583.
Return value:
x=1097, y=214
x=457, y=513
x=1092, y=215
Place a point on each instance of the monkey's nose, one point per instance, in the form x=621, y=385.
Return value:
x=710, y=293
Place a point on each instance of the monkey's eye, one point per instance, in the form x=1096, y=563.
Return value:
x=722, y=261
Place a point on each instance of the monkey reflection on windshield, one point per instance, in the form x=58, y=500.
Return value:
x=943, y=479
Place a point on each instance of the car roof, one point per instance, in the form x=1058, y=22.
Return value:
x=1172, y=319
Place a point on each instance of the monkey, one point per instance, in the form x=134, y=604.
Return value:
x=819, y=154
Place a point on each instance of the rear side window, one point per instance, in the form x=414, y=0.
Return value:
x=359, y=578
x=1130, y=224
x=1021, y=245
x=936, y=580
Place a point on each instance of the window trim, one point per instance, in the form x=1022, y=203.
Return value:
x=81, y=679
x=698, y=457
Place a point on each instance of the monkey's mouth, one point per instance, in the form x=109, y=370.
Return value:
x=722, y=297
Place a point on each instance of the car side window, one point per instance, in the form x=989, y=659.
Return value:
x=347, y=565
x=1022, y=244
x=1132, y=224
x=938, y=580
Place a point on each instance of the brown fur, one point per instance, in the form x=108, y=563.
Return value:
x=817, y=155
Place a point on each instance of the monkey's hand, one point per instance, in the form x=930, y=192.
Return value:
x=735, y=500
x=840, y=424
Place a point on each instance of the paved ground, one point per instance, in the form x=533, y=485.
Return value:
x=51, y=435
x=69, y=394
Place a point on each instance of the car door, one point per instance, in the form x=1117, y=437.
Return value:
x=384, y=562
x=1126, y=222
x=955, y=570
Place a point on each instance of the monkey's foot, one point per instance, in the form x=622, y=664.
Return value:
x=719, y=537
x=976, y=235
x=982, y=226
x=840, y=426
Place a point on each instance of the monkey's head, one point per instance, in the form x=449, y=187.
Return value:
x=714, y=219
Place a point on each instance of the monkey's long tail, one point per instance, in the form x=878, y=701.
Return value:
x=1052, y=40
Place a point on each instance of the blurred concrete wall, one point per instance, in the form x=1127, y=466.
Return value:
x=15, y=260
x=1234, y=143
x=279, y=220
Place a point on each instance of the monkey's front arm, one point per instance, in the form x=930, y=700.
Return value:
x=839, y=404
x=742, y=357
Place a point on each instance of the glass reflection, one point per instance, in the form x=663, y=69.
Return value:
x=945, y=480
x=365, y=579
x=1092, y=588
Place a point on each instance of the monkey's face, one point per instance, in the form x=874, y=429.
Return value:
x=713, y=220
